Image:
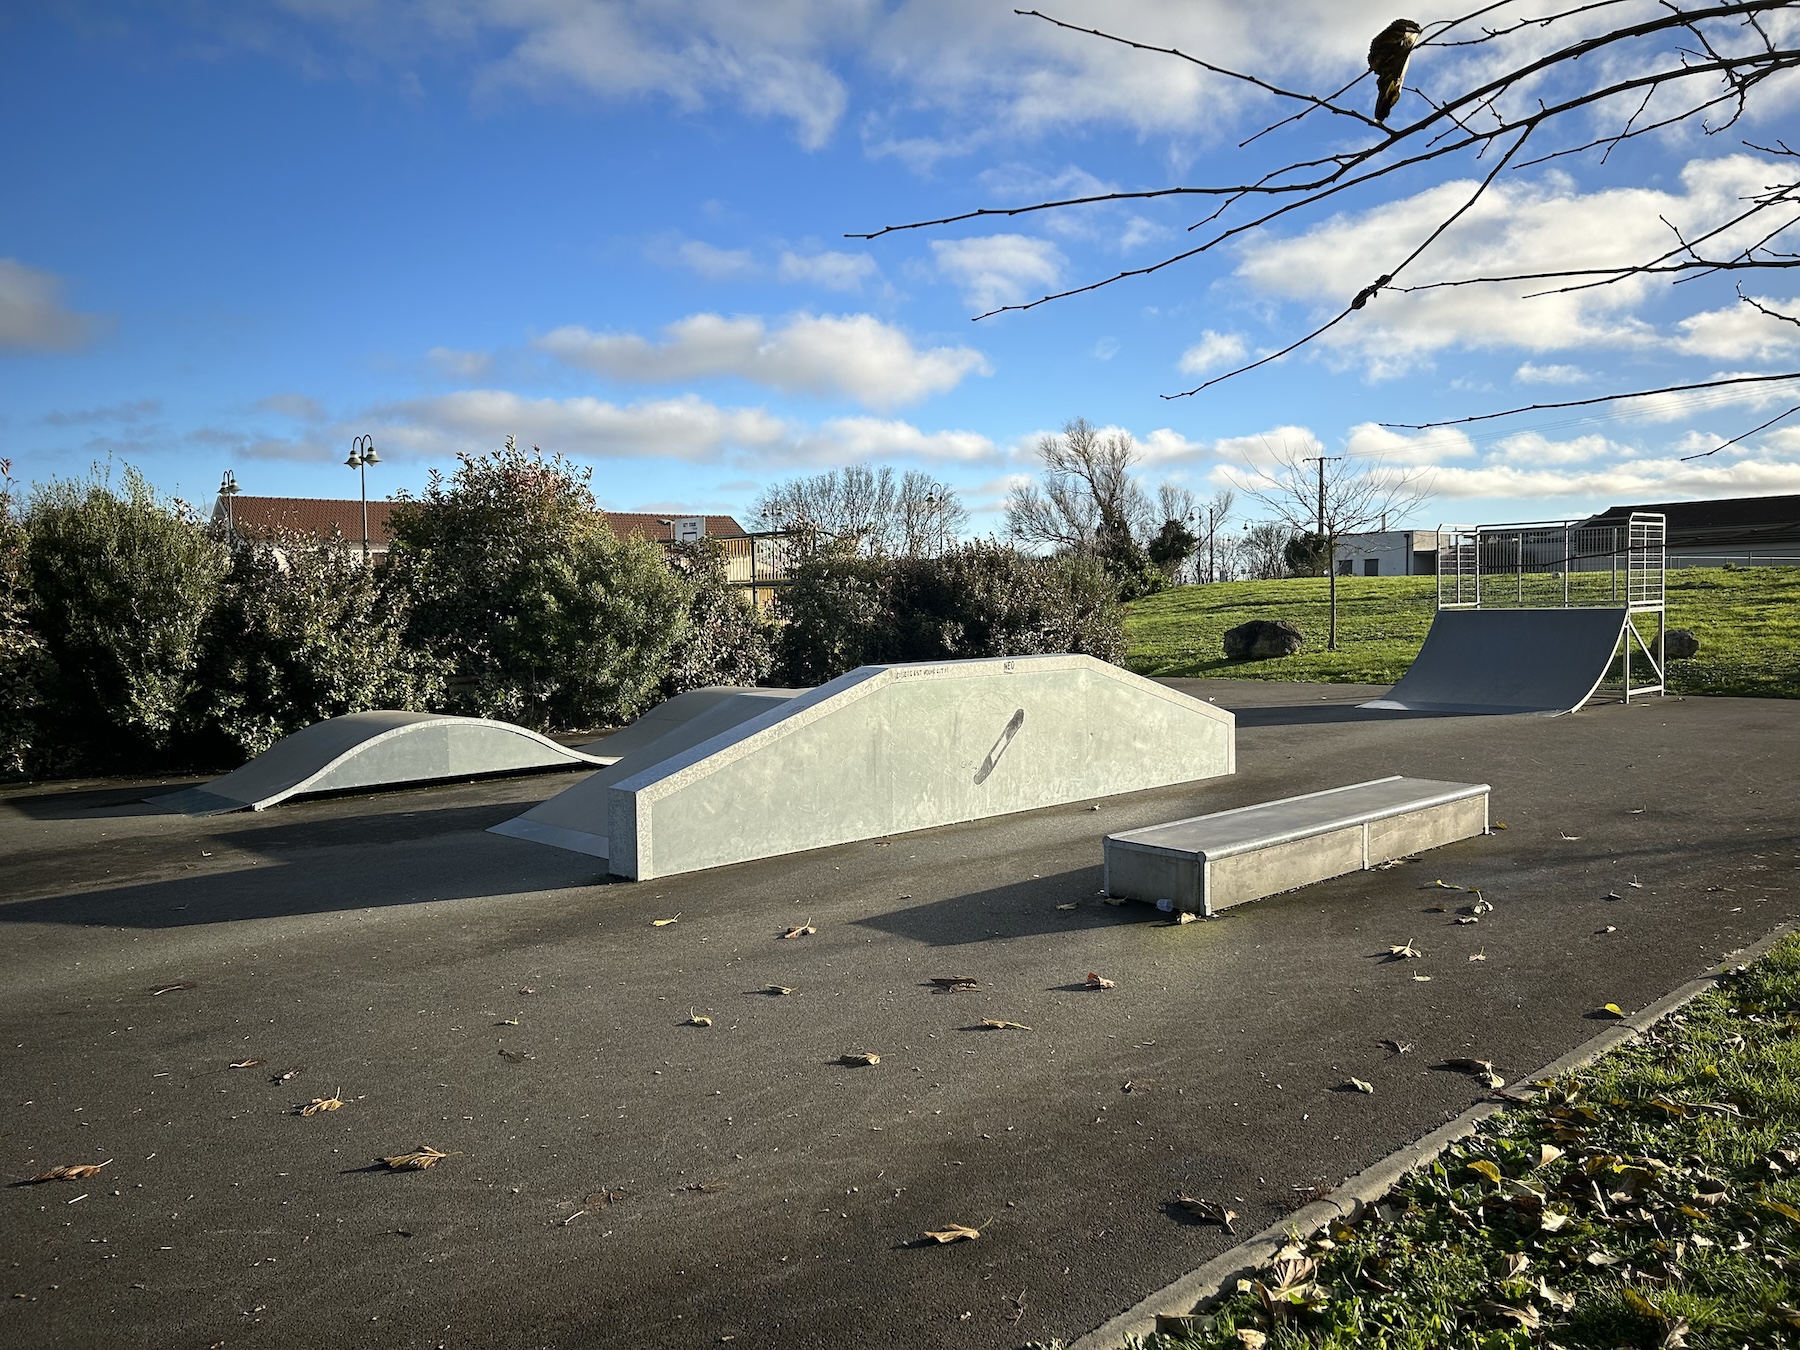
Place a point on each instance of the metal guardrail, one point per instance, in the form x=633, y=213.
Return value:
x=1550, y=564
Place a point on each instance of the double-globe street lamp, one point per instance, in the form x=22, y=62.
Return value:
x=362, y=454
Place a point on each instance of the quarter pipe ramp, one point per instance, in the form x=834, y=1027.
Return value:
x=1544, y=661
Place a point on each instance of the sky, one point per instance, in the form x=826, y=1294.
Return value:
x=232, y=237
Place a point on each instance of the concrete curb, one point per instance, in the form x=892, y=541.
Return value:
x=1366, y=1187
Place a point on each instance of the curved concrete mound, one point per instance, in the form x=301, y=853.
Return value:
x=375, y=749
x=1544, y=661
x=886, y=749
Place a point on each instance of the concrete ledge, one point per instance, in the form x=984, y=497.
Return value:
x=1208, y=863
x=371, y=750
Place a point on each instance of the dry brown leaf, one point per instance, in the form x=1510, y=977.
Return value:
x=1448, y=885
x=317, y=1104
x=515, y=1056
x=860, y=1057
x=1405, y=951
x=1208, y=1211
x=70, y=1172
x=800, y=930
x=1480, y=955
x=1547, y=1154
x=663, y=923
x=1526, y=1317
x=706, y=1187
x=1186, y=916
x=244, y=1064
x=1360, y=1086
x=776, y=989
x=698, y=1019
x=1398, y=1047
x=1422, y=979
x=955, y=1232
x=1252, y=1339
x=952, y=983
x=995, y=1024
x=418, y=1160
x=1100, y=982
x=1466, y=919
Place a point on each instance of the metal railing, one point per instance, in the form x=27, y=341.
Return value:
x=1565, y=564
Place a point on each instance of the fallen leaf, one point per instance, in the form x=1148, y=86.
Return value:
x=1185, y=916
x=1482, y=1167
x=318, y=1104
x=1422, y=979
x=1070, y=905
x=1526, y=1317
x=515, y=1056
x=287, y=1077
x=706, y=1187
x=801, y=930
x=1601, y=1259
x=1547, y=1154
x=952, y=983
x=1207, y=1211
x=776, y=989
x=1399, y=1047
x=956, y=1232
x=697, y=1019
x=1611, y=1010
x=1100, y=982
x=70, y=1172
x=862, y=1057
x=663, y=923
x=1635, y=884
x=508, y=1022
x=1786, y=1211
x=1480, y=955
x=1405, y=951
x=1570, y=837
x=528, y=991
x=1552, y=1221
x=1360, y=1086
x=1558, y=1301
x=1448, y=885
x=1467, y=918
x=244, y=1064
x=418, y=1160
x=1500, y=825
x=1610, y=928
x=1252, y=1339
x=995, y=1024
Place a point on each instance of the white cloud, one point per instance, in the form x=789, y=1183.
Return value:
x=832, y=270
x=1372, y=441
x=685, y=428
x=1655, y=479
x=32, y=315
x=854, y=354
x=1106, y=348
x=1211, y=352
x=1535, y=449
x=1740, y=333
x=301, y=407
x=1528, y=373
x=1516, y=227
x=460, y=365
x=714, y=263
x=999, y=269
x=1165, y=445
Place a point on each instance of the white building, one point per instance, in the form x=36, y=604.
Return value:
x=1387, y=553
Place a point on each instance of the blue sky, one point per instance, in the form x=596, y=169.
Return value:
x=234, y=236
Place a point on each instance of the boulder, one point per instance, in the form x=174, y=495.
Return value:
x=1261, y=639
x=1680, y=644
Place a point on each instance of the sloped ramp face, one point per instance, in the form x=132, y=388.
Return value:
x=673, y=713
x=886, y=749
x=375, y=749
x=1544, y=661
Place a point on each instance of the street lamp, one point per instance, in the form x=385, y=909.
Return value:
x=228, y=488
x=362, y=454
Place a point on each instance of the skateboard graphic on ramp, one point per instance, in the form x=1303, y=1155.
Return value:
x=1544, y=661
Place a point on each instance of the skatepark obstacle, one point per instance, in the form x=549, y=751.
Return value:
x=1208, y=863
x=373, y=750
x=1531, y=618
x=675, y=712
x=883, y=750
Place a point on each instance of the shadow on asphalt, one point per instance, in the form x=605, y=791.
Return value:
x=95, y=803
x=1023, y=909
x=1326, y=714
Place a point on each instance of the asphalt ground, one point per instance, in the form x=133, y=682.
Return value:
x=619, y=1178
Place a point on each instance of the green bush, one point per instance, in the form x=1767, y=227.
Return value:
x=302, y=631
x=976, y=600
x=24, y=663
x=727, y=642
x=544, y=616
x=120, y=582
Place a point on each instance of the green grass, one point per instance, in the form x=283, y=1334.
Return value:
x=1747, y=620
x=1652, y=1199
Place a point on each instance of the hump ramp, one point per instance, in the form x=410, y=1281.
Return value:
x=1543, y=661
x=886, y=749
x=375, y=749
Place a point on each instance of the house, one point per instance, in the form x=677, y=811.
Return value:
x=1746, y=531
x=1387, y=553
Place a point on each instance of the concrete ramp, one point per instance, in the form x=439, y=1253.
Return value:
x=886, y=749
x=672, y=713
x=375, y=749
x=1544, y=661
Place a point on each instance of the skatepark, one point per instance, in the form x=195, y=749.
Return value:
x=621, y=1172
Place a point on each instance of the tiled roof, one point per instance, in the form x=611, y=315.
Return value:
x=317, y=516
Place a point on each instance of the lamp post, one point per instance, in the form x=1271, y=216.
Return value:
x=362, y=454
x=228, y=488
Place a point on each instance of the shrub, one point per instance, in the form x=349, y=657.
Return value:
x=24, y=663
x=544, y=616
x=302, y=631
x=120, y=582
x=976, y=600
x=727, y=642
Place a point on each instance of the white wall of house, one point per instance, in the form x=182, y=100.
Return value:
x=1387, y=553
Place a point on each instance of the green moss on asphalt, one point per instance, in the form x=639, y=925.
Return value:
x=1652, y=1200
x=1747, y=620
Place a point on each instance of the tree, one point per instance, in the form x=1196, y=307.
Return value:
x=1264, y=550
x=1497, y=92
x=24, y=662
x=868, y=508
x=546, y=617
x=120, y=581
x=1087, y=502
x=727, y=642
x=1321, y=498
x=303, y=630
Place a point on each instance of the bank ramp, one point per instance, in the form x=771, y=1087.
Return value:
x=882, y=750
x=1543, y=661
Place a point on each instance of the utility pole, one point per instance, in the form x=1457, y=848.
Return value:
x=1330, y=546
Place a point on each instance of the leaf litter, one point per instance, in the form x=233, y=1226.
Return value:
x=1207, y=1211
x=799, y=930
x=70, y=1172
x=860, y=1058
x=954, y=1232
x=1095, y=981
x=421, y=1158
x=995, y=1024
x=317, y=1105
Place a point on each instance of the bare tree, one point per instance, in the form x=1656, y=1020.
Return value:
x=1086, y=494
x=1263, y=550
x=1329, y=496
x=1500, y=90
x=870, y=509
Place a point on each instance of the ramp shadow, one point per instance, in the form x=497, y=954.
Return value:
x=1325, y=714
x=96, y=803
x=1021, y=909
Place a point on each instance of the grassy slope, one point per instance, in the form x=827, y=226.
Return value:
x=1747, y=620
x=1650, y=1200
